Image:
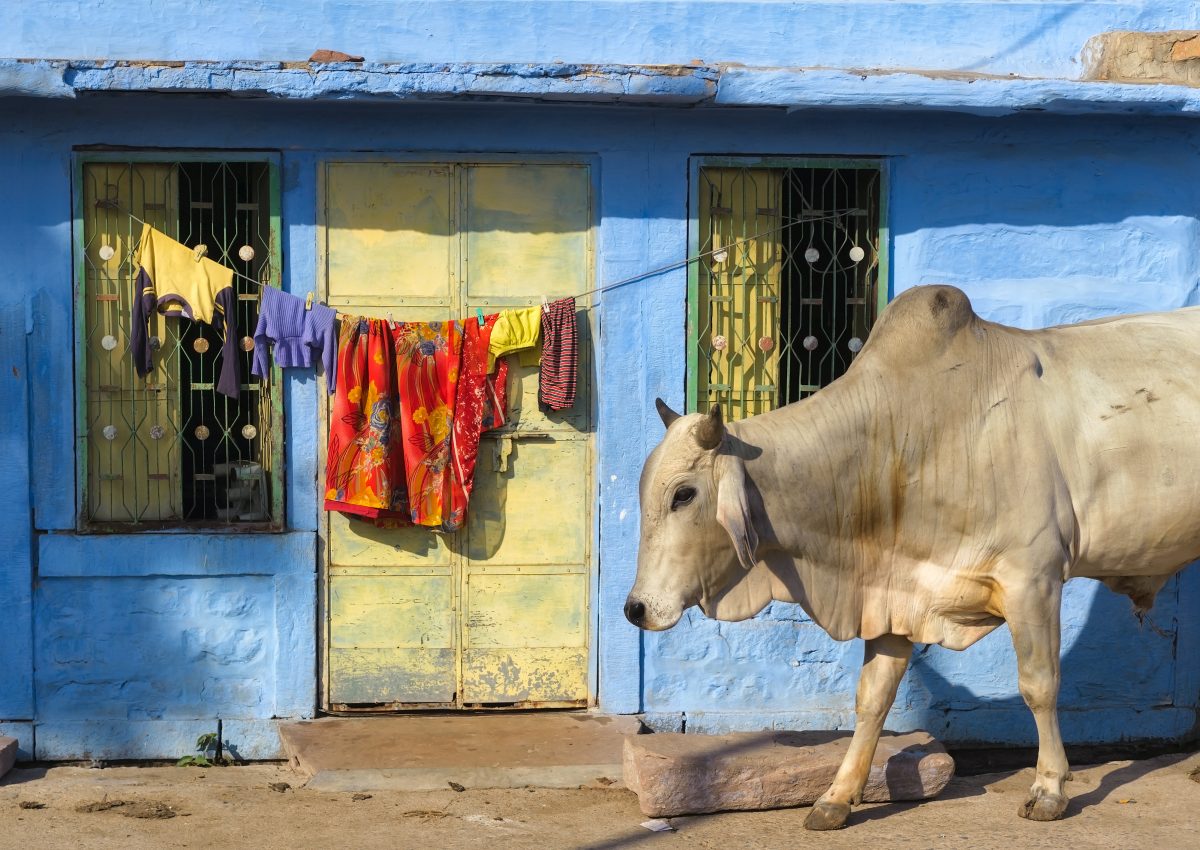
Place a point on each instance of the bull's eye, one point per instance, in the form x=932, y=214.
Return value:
x=683, y=496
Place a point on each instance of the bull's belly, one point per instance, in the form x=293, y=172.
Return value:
x=1149, y=562
x=951, y=607
x=1138, y=532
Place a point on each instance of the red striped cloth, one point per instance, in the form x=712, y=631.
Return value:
x=560, y=355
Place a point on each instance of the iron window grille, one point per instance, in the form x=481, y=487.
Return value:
x=791, y=276
x=167, y=450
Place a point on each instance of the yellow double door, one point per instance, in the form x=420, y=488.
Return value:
x=498, y=613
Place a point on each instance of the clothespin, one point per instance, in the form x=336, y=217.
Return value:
x=479, y=315
x=199, y=251
x=545, y=306
x=308, y=301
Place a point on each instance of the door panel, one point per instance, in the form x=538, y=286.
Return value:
x=394, y=640
x=526, y=231
x=369, y=676
x=360, y=543
x=496, y=614
x=389, y=234
x=525, y=635
x=523, y=610
x=522, y=676
x=518, y=516
x=527, y=238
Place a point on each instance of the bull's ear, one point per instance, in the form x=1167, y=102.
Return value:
x=711, y=431
x=665, y=413
x=733, y=511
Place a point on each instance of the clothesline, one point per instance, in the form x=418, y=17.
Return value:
x=686, y=261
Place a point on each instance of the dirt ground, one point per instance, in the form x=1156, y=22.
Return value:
x=1145, y=804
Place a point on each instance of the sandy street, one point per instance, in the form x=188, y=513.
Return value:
x=1146, y=804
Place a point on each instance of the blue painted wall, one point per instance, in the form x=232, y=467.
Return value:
x=130, y=646
x=1041, y=219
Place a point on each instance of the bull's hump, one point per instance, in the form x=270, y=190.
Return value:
x=921, y=322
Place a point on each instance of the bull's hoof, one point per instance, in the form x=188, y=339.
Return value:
x=827, y=816
x=1042, y=806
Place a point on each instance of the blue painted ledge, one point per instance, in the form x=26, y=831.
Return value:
x=108, y=555
x=681, y=85
x=362, y=80
x=977, y=95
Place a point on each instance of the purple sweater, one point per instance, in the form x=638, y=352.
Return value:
x=296, y=334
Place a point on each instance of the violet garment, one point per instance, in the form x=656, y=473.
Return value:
x=292, y=334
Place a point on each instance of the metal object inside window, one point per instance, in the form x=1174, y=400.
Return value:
x=788, y=283
x=168, y=449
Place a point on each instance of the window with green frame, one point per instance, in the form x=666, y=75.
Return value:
x=791, y=275
x=167, y=449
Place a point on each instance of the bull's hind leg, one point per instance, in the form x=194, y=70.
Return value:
x=1033, y=617
x=884, y=661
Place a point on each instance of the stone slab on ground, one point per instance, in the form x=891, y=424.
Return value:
x=427, y=752
x=8, y=754
x=676, y=774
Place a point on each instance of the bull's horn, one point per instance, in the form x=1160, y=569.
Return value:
x=668, y=415
x=711, y=431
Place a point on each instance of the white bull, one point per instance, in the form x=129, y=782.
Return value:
x=950, y=481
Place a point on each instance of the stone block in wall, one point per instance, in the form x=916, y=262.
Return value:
x=8, y=754
x=674, y=774
x=1171, y=57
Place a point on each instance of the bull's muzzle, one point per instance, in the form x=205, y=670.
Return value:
x=635, y=612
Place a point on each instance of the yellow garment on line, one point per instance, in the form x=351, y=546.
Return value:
x=520, y=331
x=182, y=286
x=174, y=282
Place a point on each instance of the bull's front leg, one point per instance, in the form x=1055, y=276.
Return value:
x=884, y=660
x=1033, y=618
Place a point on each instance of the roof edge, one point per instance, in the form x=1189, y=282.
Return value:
x=683, y=85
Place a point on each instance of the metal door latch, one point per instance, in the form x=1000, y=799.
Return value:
x=504, y=446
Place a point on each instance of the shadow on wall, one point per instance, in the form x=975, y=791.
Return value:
x=1119, y=679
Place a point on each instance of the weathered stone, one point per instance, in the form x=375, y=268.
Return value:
x=1119, y=56
x=1187, y=49
x=675, y=774
x=325, y=56
x=8, y=754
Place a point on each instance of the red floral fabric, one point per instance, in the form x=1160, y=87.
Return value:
x=364, y=470
x=479, y=406
x=428, y=357
x=393, y=416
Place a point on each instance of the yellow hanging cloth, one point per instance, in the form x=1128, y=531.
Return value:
x=517, y=331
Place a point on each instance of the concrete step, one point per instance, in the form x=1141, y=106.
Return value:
x=425, y=752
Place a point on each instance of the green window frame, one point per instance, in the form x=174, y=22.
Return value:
x=791, y=272
x=167, y=452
